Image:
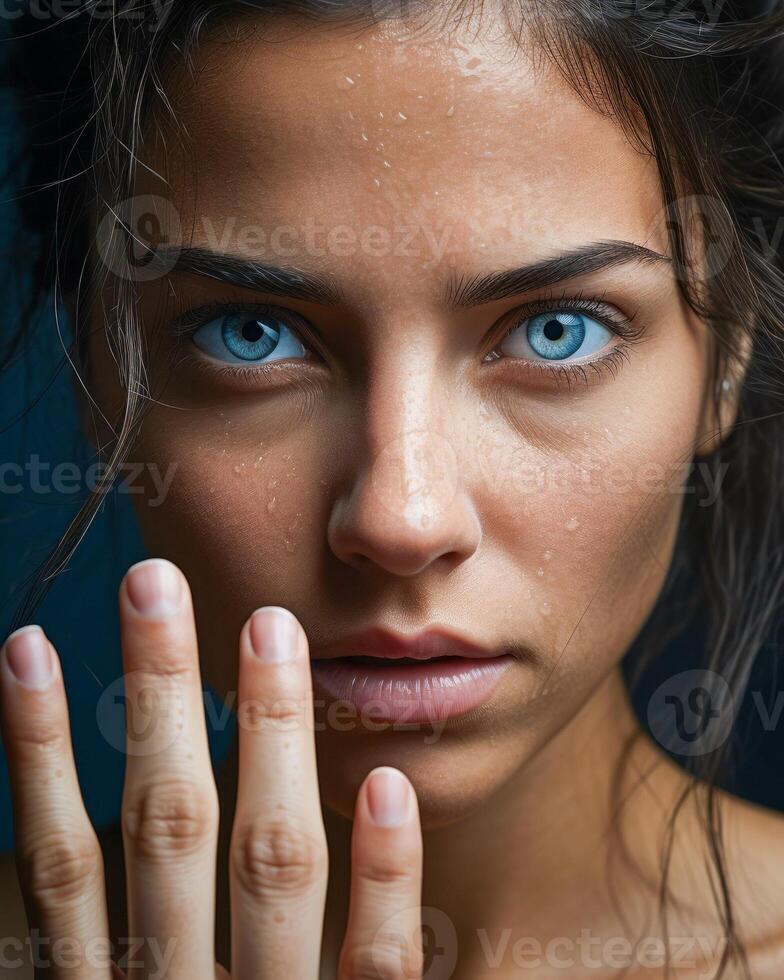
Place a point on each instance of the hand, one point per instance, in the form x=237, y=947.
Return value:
x=278, y=855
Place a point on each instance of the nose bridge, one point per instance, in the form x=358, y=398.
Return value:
x=405, y=507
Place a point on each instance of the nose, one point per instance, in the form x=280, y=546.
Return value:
x=406, y=509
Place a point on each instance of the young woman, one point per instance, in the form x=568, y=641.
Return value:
x=456, y=331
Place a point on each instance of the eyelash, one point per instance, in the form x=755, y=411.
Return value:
x=620, y=324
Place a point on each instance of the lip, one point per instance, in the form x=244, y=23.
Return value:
x=453, y=674
x=380, y=642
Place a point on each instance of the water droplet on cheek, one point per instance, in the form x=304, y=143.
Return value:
x=540, y=572
x=547, y=555
x=572, y=524
x=545, y=609
x=271, y=504
x=346, y=83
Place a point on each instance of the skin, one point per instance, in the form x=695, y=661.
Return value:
x=390, y=478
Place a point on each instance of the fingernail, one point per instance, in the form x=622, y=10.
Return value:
x=387, y=796
x=29, y=657
x=274, y=634
x=154, y=587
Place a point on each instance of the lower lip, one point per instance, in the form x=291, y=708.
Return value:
x=432, y=690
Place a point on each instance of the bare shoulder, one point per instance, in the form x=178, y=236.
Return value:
x=13, y=922
x=754, y=843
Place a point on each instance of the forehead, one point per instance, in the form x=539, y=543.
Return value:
x=466, y=132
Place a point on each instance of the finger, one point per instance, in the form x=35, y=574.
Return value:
x=383, y=935
x=57, y=852
x=278, y=866
x=170, y=802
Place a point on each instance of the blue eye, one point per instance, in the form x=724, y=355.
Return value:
x=242, y=337
x=555, y=336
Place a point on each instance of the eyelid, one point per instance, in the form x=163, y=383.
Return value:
x=620, y=323
x=190, y=321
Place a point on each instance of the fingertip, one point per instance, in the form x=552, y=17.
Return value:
x=30, y=657
x=274, y=635
x=155, y=588
x=389, y=796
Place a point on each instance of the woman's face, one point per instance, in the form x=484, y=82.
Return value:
x=422, y=447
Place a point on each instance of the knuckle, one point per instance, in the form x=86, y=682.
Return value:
x=254, y=714
x=386, y=873
x=277, y=858
x=59, y=870
x=38, y=742
x=175, y=817
x=383, y=959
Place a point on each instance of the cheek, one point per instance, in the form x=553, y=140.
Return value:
x=582, y=498
x=238, y=517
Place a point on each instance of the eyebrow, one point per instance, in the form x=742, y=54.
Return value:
x=238, y=271
x=461, y=293
x=580, y=261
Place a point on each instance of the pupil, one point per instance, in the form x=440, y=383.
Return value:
x=553, y=330
x=251, y=331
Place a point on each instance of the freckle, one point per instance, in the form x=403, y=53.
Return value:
x=545, y=609
x=279, y=917
x=58, y=773
x=572, y=524
x=271, y=505
x=190, y=755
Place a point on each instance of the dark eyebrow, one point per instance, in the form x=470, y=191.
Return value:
x=575, y=262
x=238, y=271
x=460, y=293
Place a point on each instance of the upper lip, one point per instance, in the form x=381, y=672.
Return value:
x=380, y=642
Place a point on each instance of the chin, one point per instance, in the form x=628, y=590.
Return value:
x=454, y=771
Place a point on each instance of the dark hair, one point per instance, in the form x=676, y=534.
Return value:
x=699, y=86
